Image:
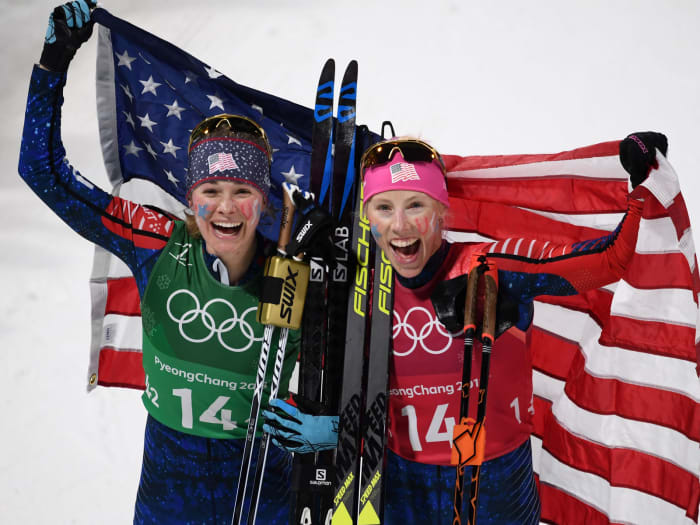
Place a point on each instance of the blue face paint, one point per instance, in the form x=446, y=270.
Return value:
x=375, y=232
x=203, y=210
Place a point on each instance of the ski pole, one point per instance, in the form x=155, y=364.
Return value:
x=276, y=371
x=469, y=333
x=281, y=304
x=470, y=437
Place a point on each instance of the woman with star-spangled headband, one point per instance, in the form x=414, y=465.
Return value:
x=199, y=283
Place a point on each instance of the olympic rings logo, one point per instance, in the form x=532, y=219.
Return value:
x=208, y=321
x=411, y=333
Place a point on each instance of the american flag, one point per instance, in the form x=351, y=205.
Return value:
x=617, y=424
x=616, y=390
x=403, y=171
x=221, y=162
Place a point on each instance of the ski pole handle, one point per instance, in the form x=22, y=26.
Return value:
x=488, y=335
x=288, y=209
x=470, y=301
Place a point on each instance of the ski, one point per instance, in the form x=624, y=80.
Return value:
x=347, y=458
x=345, y=182
x=314, y=327
x=374, y=434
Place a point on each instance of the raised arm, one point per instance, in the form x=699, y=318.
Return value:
x=528, y=268
x=132, y=232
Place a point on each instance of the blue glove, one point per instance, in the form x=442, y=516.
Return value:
x=69, y=26
x=298, y=432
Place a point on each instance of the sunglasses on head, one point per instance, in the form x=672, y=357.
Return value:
x=412, y=150
x=236, y=123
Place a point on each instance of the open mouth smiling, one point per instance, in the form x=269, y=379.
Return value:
x=227, y=228
x=405, y=247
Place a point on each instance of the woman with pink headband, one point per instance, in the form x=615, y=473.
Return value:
x=406, y=203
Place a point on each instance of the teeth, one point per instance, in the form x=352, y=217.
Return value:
x=402, y=243
x=228, y=224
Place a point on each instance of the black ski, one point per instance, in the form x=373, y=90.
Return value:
x=314, y=327
x=343, y=187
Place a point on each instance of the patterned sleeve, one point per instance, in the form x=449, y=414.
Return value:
x=132, y=232
x=528, y=268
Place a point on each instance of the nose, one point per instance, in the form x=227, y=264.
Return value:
x=228, y=205
x=399, y=221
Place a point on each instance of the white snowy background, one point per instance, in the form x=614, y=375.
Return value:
x=472, y=77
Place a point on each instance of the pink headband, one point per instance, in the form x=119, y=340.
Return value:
x=397, y=174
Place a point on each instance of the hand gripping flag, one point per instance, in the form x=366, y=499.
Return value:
x=616, y=419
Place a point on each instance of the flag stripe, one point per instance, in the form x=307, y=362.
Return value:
x=546, y=194
x=564, y=505
x=616, y=431
x=123, y=297
x=622, y=467
x=620, y=504
x=633, y=366
x=607, y=396
x=122, y=332
x=121, y=368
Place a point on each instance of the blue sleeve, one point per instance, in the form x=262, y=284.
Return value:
x=91, y=212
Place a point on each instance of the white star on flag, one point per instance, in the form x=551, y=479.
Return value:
x=127, y=91
x=293, y=140
x=150, y=85
x=291, y=176
x=169, y=147
x=216, y=102
x=190, y=77
x=213, y=73
x=125, y=60
x=132, y=149
x=144, y=58
x=129, y=119
x=174, y=109
x=151, y=151
x=171, y=177
x=146, y=122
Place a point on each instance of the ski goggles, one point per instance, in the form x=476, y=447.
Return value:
x=412, y=150
x=236, y=123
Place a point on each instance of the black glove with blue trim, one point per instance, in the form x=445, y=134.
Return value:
x=69, y=26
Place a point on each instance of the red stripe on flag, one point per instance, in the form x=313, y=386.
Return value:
x=653, y=337
x=123, y=297
x=543, y=411
x=546, y=194
x=551, y=354
x=501, y=222
x=641, y=403
x=625, y=468
x=560, y=507
x=663, y=270
x=602, y=149
x=121, y=368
